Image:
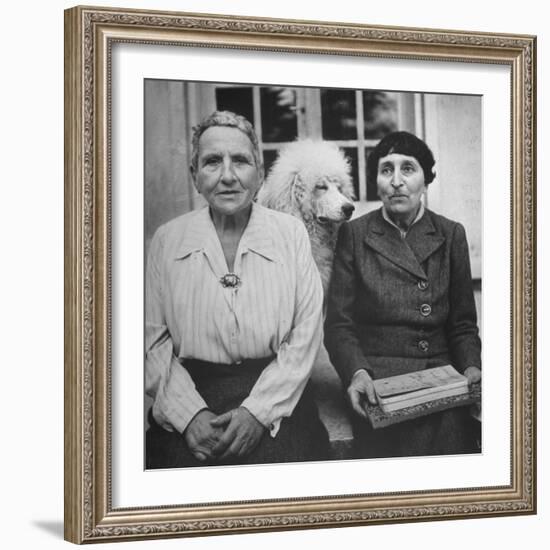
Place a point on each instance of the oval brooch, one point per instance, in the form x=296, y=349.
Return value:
x=230, y=280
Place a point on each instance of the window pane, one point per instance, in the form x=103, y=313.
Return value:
x=238, y=100
x=351, y=153
x=279, y=121
x=372, y=193
x=270, y=155
x=339, y=114
x=380, y=110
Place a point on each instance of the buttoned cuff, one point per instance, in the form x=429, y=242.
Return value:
x=261, y=414
x=178, y=403
x=180, y=417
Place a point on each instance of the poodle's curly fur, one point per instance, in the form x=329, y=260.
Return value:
x=311, y=180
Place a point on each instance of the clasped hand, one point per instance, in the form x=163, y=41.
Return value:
x=235, y=433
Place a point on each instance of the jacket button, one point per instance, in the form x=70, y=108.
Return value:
x=425, y=309
x=423, y=345
x=422, y=285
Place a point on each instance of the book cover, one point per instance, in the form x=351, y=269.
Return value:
x=406, y=390
x=381, y=419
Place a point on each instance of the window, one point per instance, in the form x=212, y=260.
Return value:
x=355, y=120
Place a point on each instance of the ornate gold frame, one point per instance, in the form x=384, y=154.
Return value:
x=89, y=35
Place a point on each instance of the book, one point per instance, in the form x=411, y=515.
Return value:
x=380, y=419
x=407, y=390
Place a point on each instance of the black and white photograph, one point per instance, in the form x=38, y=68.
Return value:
x=300, y=275
x=313, y=277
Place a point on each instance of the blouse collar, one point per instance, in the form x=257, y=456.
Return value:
x=404, y=232
x=200, y=234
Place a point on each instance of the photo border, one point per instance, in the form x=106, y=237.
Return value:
x=89, y=36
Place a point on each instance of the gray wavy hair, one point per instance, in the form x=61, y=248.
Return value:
x=230, y=120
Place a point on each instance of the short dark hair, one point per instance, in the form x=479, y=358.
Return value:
x=403, y=143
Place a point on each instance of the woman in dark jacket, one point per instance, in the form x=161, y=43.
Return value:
x=401, y=300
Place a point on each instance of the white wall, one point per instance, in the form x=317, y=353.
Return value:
x=32, y=270
x=453, y=131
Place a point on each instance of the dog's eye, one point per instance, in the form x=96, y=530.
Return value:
x=321, y=186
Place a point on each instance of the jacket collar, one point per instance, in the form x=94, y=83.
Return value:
x=419, y=215
x=409, y=253
x=200, y=235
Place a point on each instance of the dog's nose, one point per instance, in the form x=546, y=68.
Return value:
x=348, y=209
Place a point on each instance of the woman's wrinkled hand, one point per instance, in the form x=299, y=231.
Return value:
x=473, y=374
x=242, y=433
x=201, y=436
x=361, y=389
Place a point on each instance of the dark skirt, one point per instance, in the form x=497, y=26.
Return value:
x=448, y=432
x=301, y=437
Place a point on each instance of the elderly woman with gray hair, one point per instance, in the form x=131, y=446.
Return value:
x=233, y=319
x=401, y=300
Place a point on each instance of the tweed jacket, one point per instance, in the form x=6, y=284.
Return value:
x=400, y=305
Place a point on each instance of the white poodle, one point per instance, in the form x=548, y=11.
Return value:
x=311, y=180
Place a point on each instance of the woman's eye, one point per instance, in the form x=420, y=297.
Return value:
x=321, y=186
x=240, y=160
x=385, y=171
x=408, y=169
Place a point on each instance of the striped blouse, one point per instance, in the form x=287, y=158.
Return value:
x=275, y=311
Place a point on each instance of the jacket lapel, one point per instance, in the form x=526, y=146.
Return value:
x=421, y=241
x=423, y=238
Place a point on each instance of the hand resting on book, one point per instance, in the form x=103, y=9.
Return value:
x=473, y=374
x=360, y=390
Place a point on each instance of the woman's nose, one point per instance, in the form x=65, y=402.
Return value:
x=228, y=173
x=397, y=181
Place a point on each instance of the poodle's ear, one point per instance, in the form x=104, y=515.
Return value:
x=298, y=189
x=300, y=197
